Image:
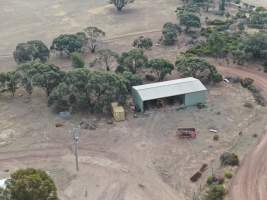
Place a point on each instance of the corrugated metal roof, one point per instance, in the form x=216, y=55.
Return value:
x=169, y=88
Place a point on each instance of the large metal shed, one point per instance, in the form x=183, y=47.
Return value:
x=191, y=90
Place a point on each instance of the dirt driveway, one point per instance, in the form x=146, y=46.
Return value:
x=251, y=179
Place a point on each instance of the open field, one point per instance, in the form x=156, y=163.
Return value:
x=257, y=2
x=45, y=20
x=141, y=158
x=137, y=159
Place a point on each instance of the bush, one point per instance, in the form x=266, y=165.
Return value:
x=215, y=192
x=190, y=66
x=217, y=22
x=170, y=32
x=30, y=51
x=30, y=184
x=215, y=180
x=77, y=60
x=229, y=159
x=228, y=175
x=143, y=42
x=216, y=137
x=246, y=82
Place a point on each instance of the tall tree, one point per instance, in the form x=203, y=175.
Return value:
x=106, y=56
x=195, y=67
x=216, y=44
x=143, y=42
x=222, y=5
x=93, y=34
x=160, y=67
x=120, y=4
x=30, y=51
x=133, y=60
x=170, y=33
x=67, y=43
x=12, y=81
x=189, y=20
x=46, y=76
x=30, y=184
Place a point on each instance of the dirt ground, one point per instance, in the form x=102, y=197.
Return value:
x=140, y=158
x=257, y=2
x=45, y=20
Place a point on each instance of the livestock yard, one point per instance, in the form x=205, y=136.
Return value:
x=142, y=157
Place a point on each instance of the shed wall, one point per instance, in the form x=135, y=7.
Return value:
x=195, y=98
x=137, y=100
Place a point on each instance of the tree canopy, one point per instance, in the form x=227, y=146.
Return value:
x=30, y=51
x=132, y=60
x=143, y=42
x=170, y=33
x=160, y=67
x=255, y=46
x=195, y=67
x=189, y=20
x=93, y=34
x=46, y=76
x=30, y=184
x=67, y=43
x=120, y=4
x=82, y=89
x=106, y=56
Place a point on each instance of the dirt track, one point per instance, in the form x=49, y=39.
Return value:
x=251, y=179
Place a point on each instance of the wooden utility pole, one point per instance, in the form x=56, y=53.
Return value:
x=76, y=137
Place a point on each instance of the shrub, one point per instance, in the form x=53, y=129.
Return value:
x=77, y=60
x=229, y=159
x=228, y=175
x=30, y=51
x=217, y=22
x=215, y=180
x=143, y=42
x=246, y=82
x=170, y=32
x=216, y=137
x=215, y=192
x=190, y=66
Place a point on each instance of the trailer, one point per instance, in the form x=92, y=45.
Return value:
x=189, y=133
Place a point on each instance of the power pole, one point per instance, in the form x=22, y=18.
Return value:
x=76, y=137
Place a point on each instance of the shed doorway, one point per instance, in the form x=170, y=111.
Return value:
x=163, y=102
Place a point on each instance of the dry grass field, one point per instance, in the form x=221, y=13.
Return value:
x=139, y=159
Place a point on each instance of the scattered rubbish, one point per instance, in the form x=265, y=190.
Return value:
x=65, y=115
x=201, y=105
x=226, y=80
x=59, y=125
x=186, y=133
x=110, y=121
x=141, y=186
x=216, y=137
x=3, y=183
x=203, y=168
x=196, y=177
x=88, y=125
x=213, y=130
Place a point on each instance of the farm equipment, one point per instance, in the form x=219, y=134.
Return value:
x=189, y=133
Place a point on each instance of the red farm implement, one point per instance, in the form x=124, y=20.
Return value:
x=189, y=133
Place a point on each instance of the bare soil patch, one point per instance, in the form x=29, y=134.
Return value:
x=140, y=158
